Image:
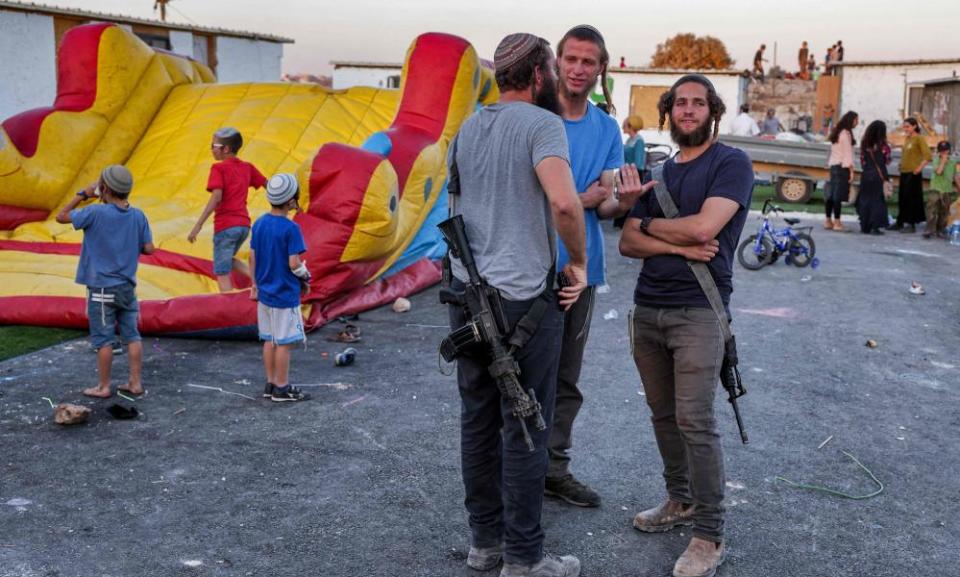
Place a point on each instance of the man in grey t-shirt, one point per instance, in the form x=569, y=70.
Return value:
x=516, y=193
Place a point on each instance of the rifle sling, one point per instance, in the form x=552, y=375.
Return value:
x=700, y=270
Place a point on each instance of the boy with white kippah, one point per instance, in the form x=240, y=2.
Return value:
x=229, y=181
x=280, y=277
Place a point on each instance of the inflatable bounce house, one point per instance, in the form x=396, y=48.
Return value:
x=371, y=164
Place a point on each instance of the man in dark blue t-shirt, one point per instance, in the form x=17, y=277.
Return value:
x=677, y=343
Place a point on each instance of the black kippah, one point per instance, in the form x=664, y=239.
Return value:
x=698, y=78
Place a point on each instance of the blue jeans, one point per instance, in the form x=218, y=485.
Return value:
x=503, y=480
x=226, y=243
x=109, y=306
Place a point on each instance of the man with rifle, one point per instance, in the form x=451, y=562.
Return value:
x=511, y=185
x=679, y=328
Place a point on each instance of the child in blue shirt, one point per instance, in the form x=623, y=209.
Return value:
x=279, y=278
x=115, y=234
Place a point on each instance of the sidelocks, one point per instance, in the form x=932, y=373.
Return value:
x=487, y=326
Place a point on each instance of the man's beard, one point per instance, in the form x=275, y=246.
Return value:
x=699, y=135
x=546, y=97
x=585, y=93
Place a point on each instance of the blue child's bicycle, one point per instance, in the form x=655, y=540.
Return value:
x=765, y=247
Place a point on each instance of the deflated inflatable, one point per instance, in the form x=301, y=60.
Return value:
x=371, y=166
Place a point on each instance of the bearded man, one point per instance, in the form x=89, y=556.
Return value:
x=677, y=342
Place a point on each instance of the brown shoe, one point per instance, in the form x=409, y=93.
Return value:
x=828, y=224
x=838, y=226
x=664, y=517
x=701, y=559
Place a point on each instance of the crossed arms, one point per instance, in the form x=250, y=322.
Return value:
x=692, y=237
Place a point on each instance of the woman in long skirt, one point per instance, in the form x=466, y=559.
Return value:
x=841, y=169
x=916, y=155
x=874, y=156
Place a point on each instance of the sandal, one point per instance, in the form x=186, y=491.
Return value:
x=349, y=334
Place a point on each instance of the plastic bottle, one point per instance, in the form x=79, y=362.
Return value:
x=955, y=233
x=345, y=358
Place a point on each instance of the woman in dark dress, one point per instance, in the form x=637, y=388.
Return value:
x=874, y=156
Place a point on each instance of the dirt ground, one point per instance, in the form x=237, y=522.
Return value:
x=364, y=478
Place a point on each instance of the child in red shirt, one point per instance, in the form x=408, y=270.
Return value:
x=228, y=184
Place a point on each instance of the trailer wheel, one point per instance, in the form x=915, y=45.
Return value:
x=793, y=188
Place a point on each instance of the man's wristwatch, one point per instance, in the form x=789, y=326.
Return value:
x=645, y=224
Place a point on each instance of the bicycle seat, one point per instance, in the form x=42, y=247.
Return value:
x=791, y=221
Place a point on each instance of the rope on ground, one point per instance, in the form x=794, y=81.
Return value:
x=834, y=491
x=47, y=399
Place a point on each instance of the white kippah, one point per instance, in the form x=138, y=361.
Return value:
x=281, y=188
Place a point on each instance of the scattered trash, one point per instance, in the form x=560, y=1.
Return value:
x=131, y=399
x=871, y=343
x=901, y=438
x=242, y=382
x=345, y=358
x=193, y=563
x=603, y=289
x=179, y=411
x=353, y=401
x=777, y=313
x=19, y=503
x=70, y=414
x=735, y=485
x=219, y=389
x=622, y=508
x=825, y=441
x=611, y=314
x=324, y=354
x=806, y=278
x=401, y=305
x=122, y=413
x=349, y=334
x=917, y=289
x=47, y=399
x=834, y=491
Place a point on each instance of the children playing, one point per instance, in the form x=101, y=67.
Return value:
x=279, y=279
x=114, y=236
x=229, y=181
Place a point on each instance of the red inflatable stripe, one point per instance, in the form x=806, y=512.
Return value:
x=161, y=258
x=13, y=216
x=76, y=86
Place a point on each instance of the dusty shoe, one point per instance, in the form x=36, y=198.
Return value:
x=549, y=566
x=838, y=226
x=828, y=224
x=701, y=559
x=484, y=558
x=664, y=517
x=572, y=491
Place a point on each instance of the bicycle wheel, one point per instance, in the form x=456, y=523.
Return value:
x=753, y=256
x=802, y=250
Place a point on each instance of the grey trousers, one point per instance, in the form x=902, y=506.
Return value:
x=678, y=353
x=576, y=328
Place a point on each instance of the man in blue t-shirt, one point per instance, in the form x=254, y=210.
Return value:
x=279, y=278
x=115, y=234
x=677, y=343
x=596, y=154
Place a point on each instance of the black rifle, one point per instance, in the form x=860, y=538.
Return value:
x=730, y=379
x=487, y=325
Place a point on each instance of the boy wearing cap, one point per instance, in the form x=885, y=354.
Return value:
x=115, y=234
x=230, y=179
x=941, y=195
x=279, y=278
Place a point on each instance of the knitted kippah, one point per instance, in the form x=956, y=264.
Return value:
x=513, y=49
x=117, y=178
x=281, y=188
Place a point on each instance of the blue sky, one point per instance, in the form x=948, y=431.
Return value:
x=381, y=30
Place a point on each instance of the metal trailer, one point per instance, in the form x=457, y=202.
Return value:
x=797, y=168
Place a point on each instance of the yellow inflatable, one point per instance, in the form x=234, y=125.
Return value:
x=371, y=164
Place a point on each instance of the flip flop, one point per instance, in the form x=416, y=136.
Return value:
x=127, y=391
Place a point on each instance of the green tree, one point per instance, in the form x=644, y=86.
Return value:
x=689, y=51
